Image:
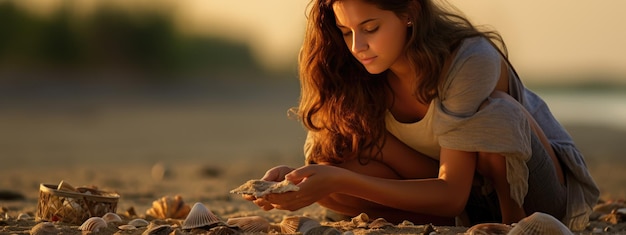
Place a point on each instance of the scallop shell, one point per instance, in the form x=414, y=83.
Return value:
x=260, y=188
x=297, y=224
x=200, y=216
x=169, y=207
x=138, y=223
x=164, y=229
x=250, y=224
x=93, y=224
x=44, y=228
x=488, y=229
x=111, y=217
x=540, y=223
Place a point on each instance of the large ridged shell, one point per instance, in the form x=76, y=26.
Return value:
x=540, y=223
x=297, y=224
x=44, y=228
x=200, y=216
x=260, y=188
x=111, y=217
x=93, y=224
x=489, y=229
x=250, y=224
x=169, y=207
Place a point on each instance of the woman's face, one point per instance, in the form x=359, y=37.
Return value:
x=375, y=37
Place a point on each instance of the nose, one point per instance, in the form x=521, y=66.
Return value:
x=359, y=43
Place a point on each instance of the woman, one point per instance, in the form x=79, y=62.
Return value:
x=415, y=114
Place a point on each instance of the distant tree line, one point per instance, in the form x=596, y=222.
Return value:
x=112, y=38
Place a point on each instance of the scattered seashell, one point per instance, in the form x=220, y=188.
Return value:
x=297, y=224
x=158, y=230
x=406, y=223
x=608, y=207
x=379, y=223
x=44, y=228
x=24, y=216
x=489, y=228
x=93, y=224
x=250, y=224
x=169, y=207
x=361, y=220
x=139, y=223
x=540, y=223
x=323, y=230
x=200, y=216
x=260, y=188
x=127, y=227
x=111, y=217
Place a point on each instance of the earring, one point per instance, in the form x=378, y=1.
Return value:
x=409, y=24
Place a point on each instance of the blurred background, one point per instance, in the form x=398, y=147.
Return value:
x=91, y=84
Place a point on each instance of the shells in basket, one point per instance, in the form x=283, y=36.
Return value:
x=540, y=223
x=169, y=207
x=259, y=188
x=200, y=216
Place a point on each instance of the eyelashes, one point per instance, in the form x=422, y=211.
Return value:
x=366, y=30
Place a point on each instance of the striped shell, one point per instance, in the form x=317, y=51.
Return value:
x=93, y=224
x=297, y=224
x=250, y=224
x=540, y=223
x=111, y=217
x=489, y=229
x=44, y=228
x=200, y=216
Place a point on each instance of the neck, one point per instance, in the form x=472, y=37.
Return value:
x=403, y=73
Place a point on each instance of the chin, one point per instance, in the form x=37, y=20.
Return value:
x=375, y=70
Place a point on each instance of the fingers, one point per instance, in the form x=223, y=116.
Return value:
x=296, y=176
x=263, y=204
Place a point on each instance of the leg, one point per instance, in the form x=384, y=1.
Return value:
x=352, y=206
x=493, y=167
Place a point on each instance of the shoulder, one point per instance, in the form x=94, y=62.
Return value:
x=472, y=76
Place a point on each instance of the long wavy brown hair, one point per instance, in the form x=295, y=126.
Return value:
x=341, y=104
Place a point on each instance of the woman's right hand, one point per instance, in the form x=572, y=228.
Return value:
x=276, y=174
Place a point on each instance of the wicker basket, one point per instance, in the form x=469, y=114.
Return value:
x=73, y=207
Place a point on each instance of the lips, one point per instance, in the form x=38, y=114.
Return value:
x=367, y=60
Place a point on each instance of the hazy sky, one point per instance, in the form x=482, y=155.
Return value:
x=569, y=38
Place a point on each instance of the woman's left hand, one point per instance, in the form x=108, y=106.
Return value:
x=315, y=181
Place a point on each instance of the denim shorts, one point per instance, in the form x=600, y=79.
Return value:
x=545, y=193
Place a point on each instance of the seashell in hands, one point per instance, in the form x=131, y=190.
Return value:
x=260, y=188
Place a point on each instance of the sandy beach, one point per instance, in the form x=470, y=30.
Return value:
x=199, y=148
